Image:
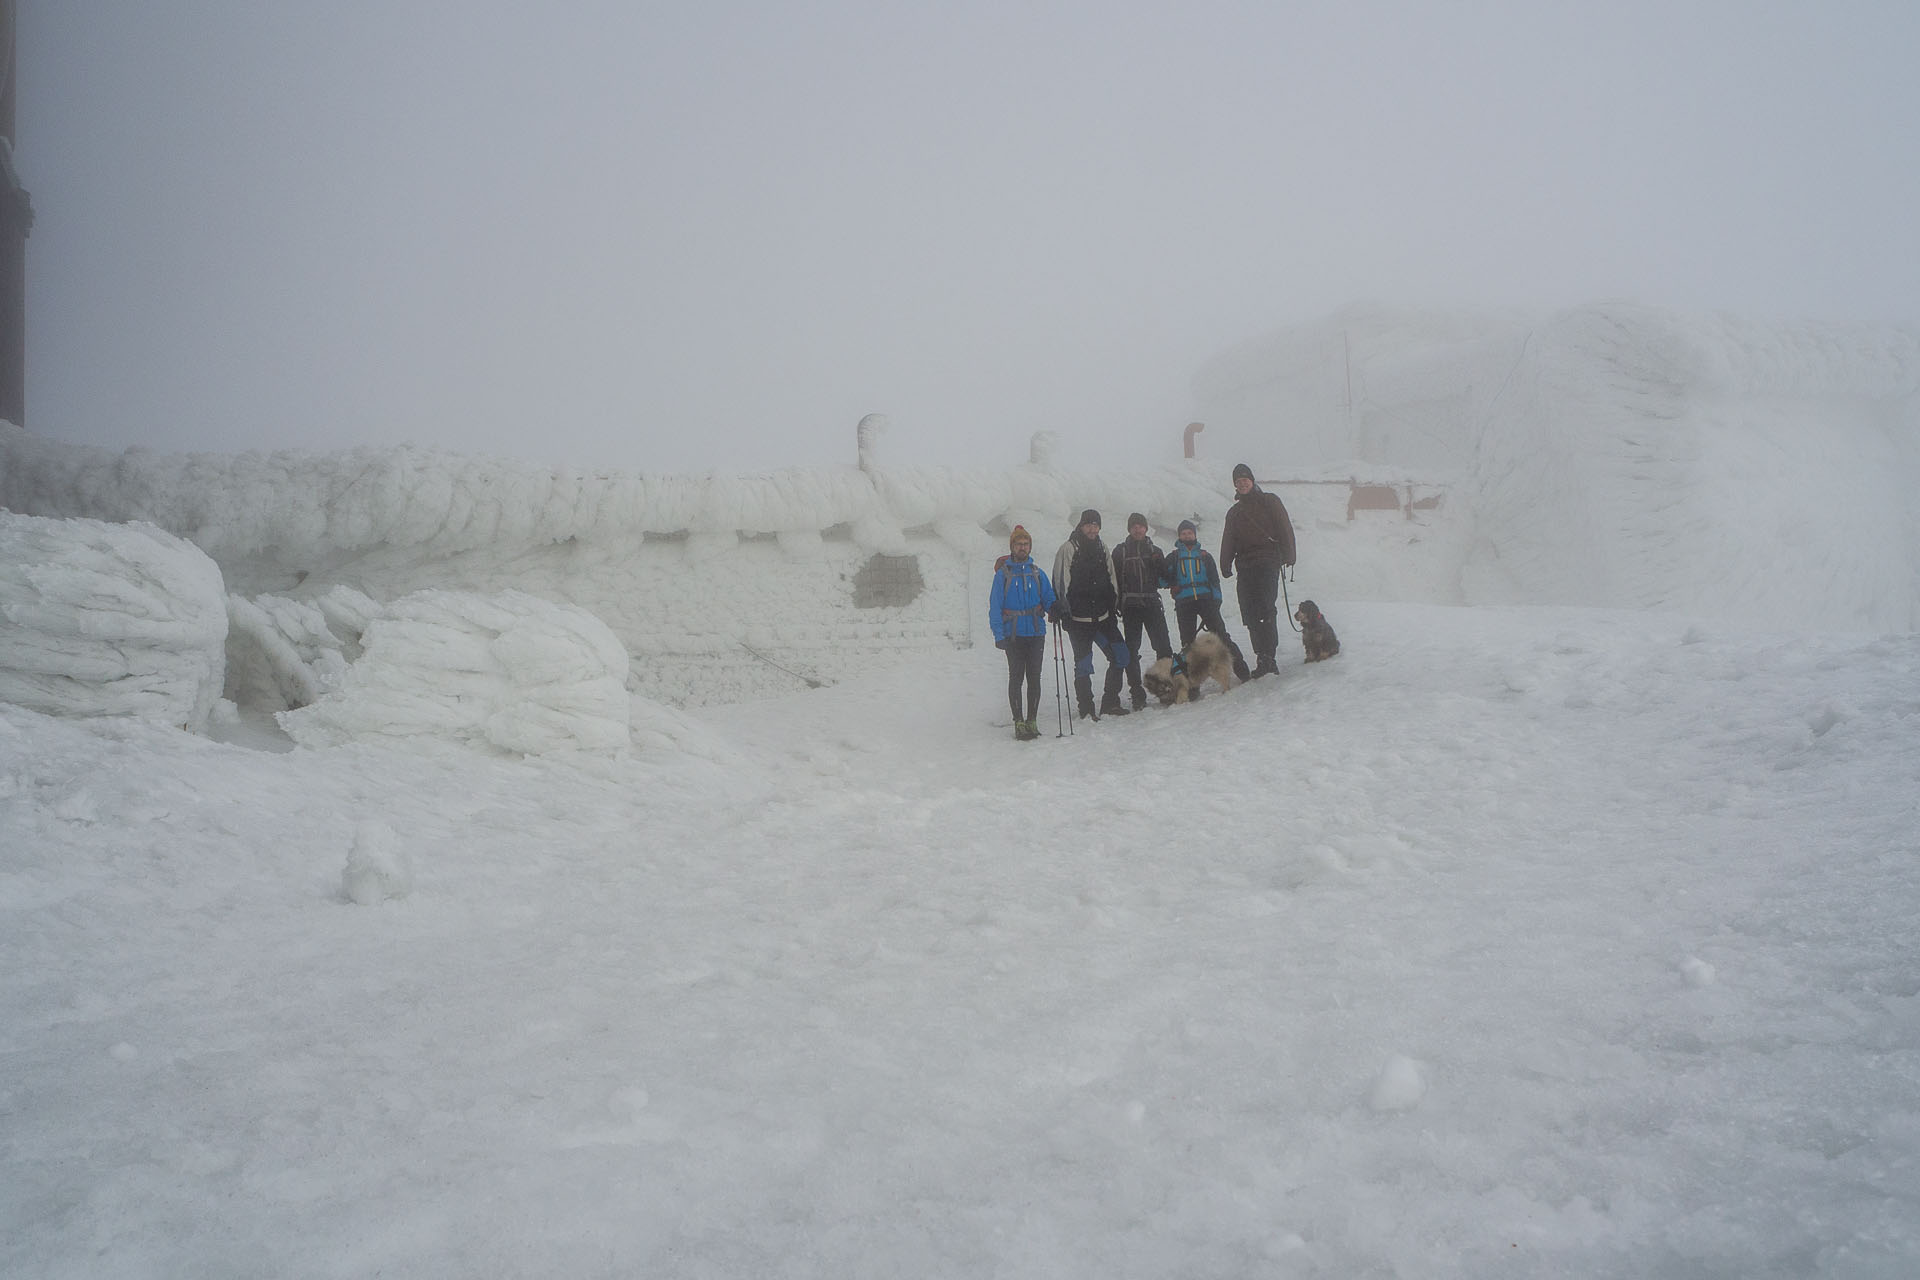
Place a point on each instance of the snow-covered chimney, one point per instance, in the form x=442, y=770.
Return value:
x=871, y=428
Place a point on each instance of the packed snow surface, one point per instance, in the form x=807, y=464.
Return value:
x=1513, y=941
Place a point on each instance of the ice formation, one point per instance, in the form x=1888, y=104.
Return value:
x=102, y=619
x=509, y=671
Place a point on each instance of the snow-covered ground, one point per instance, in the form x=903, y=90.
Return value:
x=1514, y=941
x=1522, y=939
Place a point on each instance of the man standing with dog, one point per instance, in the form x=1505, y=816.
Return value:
x=1257, y=541
x=1138, y=567
x=1085, y=598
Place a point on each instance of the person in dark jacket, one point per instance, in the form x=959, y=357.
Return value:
x=1085, y=600
x=1256, y=542
x=1138, y=567
x=1195, y=582
x=1017, y=611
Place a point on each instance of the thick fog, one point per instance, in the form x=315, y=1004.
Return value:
x=678, y=237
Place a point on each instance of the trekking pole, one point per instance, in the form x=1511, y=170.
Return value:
x=1059, y=686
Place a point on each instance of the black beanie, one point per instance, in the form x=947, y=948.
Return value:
x=1089, y=516
x=1134, y=519
x=1242, y=469
x=1186, y=525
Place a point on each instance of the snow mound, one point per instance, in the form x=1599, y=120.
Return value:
x=509, y=671
x=102, y=619
x=1400, y=1086
x=377, y=866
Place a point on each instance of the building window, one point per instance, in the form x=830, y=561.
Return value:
x=888, y=582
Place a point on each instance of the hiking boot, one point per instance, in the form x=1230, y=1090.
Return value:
x=1265, y=667
x=1110, y=706
x=1241, y=673
x=1139, y=700
x=1086, y=711
x=1025, y=730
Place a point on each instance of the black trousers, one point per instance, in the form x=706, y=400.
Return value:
x=1026, y=659
x=1195, y=614
x=1154, y=622
x=1087, y=636
x=1258, y=582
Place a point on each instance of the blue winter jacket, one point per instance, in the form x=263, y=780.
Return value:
x=1021, y=597
x=1192, y=574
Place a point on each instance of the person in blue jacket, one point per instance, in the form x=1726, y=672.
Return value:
x=1195, y=581
x=1017, y=612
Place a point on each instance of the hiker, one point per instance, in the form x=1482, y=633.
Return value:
x=1138, y=567
x=1195, y=581
x=1256, y=540
x=1017, y=611
x=1084, y=602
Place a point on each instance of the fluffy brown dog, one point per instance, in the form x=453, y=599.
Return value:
x=1179, y=679
x=1315, y=634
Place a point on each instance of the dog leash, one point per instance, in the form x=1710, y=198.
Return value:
x=1287, y=612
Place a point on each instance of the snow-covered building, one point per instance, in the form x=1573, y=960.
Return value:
x=721, y=588
x=1442, y=459
x=1613, y=454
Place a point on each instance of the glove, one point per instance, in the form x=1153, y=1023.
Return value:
x=1000, y=645
x=1053, y=612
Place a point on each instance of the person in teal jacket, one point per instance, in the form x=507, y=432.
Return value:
x=1195, y=582
x=1017, y=612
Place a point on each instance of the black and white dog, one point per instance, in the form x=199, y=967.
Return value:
x=1315, y=633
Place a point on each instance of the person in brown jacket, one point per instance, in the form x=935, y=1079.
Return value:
x=1257, y=541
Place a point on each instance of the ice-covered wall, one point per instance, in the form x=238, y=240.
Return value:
x=721, y=588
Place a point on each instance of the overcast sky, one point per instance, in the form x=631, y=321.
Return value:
x=712, y=235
